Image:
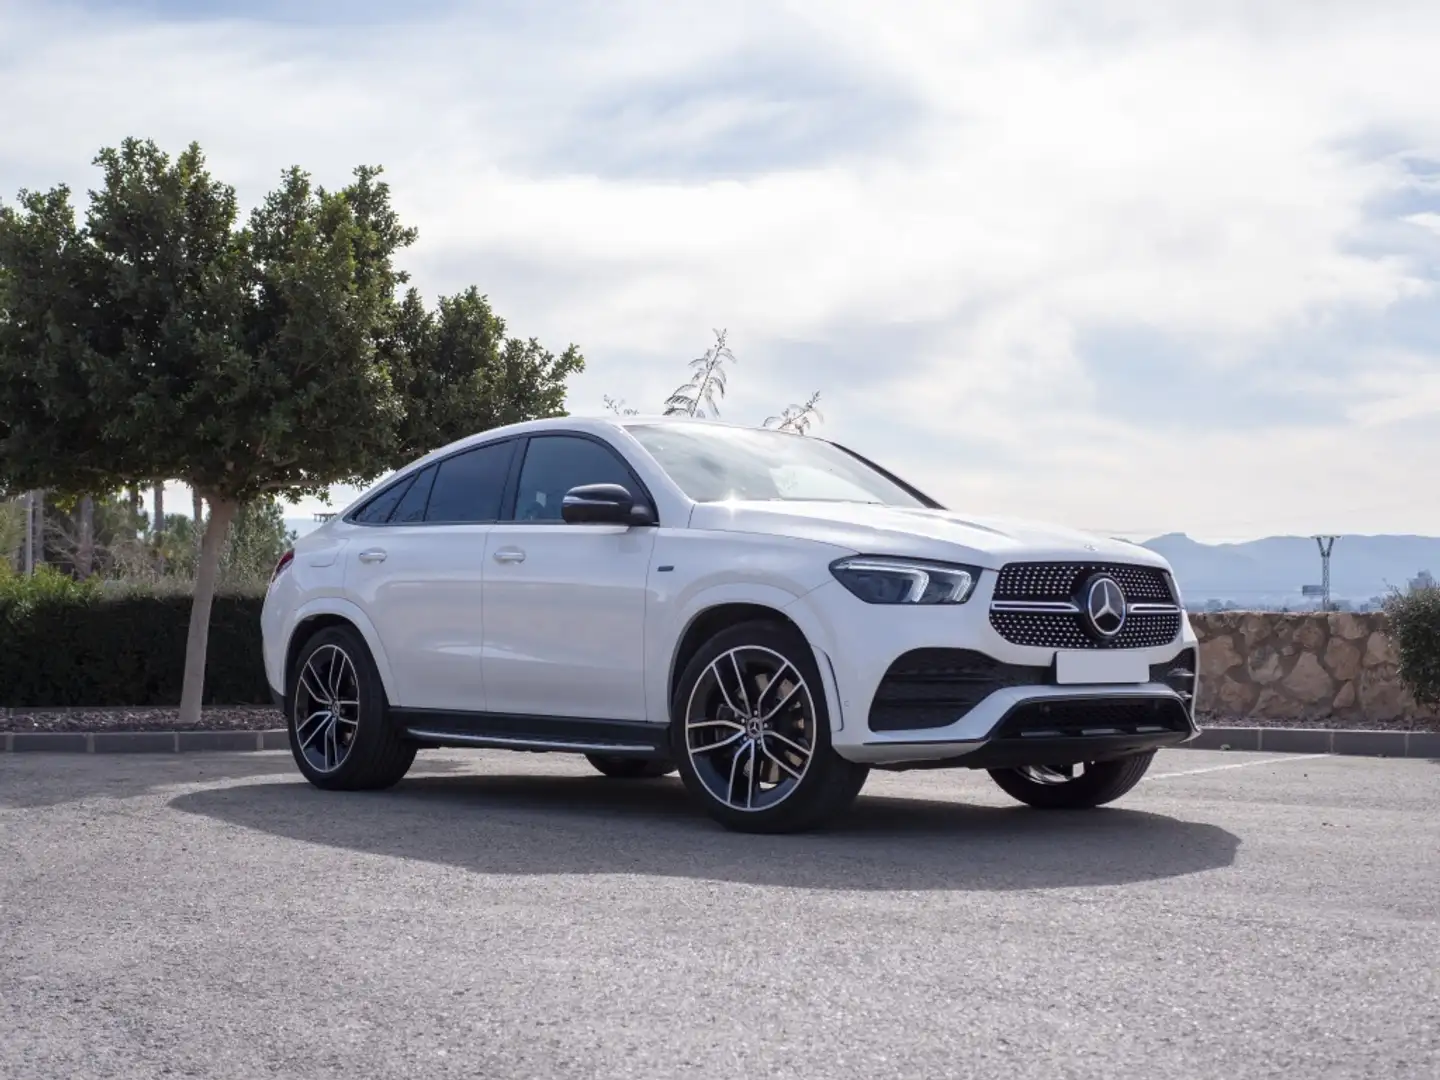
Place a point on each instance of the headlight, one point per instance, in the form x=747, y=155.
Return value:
x=879, y=579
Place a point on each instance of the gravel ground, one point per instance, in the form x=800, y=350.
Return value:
x=229, y=718
x=1247, y=916
x=263, y=717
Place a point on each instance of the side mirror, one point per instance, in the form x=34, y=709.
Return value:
x=604, y=504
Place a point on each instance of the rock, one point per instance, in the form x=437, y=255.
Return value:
x=1264, y=665
x=1345, y=699
x=1380, y=651
x=1347, y=625
x=1342, y=658
x=1380, y=694
x=1218, y=655
x=1311, y=633
x=1256, y=628
x=1235, y=698
x=1308, y=683
x=1273, y=705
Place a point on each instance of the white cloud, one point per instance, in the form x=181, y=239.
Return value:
x=611, y=174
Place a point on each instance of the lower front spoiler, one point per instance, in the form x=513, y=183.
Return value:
x=1016, y=753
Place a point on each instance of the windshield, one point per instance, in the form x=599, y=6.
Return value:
x=716, y=464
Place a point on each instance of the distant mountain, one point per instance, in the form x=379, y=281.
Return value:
x=1273, y=570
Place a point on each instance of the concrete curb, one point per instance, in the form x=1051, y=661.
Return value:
x=1396, y=744
x=142, y=742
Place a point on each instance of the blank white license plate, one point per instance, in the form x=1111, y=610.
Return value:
x=1097, y=666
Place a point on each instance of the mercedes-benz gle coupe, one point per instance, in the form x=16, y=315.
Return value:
x=769, y=614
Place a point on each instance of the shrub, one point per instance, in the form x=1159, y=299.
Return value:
x=1415, y=625
x=69, y=643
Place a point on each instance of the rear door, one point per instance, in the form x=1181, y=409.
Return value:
x=419, y=575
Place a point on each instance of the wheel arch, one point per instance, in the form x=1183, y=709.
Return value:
x=329, y=612
x=721, y=614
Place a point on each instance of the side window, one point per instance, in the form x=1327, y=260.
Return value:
x=469, y=485
x=377, y=511
x=556, y=463
x=412, y=507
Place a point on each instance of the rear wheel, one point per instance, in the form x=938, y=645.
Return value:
x=338, y=717
x=628, y=768
x=751, y=733
x=1073, y=787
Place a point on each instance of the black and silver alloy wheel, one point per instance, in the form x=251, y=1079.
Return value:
x=1073, y=787
x=339, y=719
x=751, y=734
x=327, y=708
x=750, y=728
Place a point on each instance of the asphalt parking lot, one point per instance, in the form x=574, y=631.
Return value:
x=505, y=915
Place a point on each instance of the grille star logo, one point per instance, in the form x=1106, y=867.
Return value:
x=1105, y=606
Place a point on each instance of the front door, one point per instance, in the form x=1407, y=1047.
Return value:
x=565, y=604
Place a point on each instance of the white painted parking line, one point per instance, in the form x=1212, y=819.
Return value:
x=1238, y=765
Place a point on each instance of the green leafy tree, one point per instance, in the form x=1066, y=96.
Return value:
x=163, y=340
x=458, y=373
x=1415, y=627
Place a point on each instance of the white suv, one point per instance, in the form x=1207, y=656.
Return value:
x=770, y=614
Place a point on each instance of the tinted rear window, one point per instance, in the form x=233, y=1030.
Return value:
x=469, y=486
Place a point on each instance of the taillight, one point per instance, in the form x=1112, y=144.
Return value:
x=285, y=561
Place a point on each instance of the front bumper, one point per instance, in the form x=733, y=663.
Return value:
x=1028, y=718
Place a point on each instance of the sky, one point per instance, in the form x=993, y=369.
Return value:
x=1141, y=267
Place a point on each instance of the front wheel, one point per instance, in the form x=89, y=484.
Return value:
x=628, y=768
x=1073, y=787
x=751, y=733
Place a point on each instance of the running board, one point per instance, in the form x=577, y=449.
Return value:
x=538, y=734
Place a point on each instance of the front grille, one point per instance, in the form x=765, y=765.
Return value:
x=1055, y=630
x=930, y=688
x=1058, y=581
x=1061, y=583
x=1091, y=718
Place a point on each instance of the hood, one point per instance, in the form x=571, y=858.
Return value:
x=946, y=535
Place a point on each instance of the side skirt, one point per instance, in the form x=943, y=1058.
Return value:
x=536, y=734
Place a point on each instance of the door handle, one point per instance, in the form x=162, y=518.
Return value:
x=372, y=555
x=509, y=555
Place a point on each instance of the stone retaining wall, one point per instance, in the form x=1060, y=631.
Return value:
x=1268, y=666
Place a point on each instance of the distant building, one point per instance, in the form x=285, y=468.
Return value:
x=1423, y=580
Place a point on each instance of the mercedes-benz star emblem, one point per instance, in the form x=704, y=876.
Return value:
x=1105, y=606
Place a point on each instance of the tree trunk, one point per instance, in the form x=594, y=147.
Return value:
x=135, y=510
x=222, y=513
x=85, y=555
x=197, y=513
x=159, y=530
x=39, y=524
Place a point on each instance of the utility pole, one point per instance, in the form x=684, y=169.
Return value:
x=1325, y=543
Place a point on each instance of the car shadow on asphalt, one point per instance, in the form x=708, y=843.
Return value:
x=549, y=825
x=33, y=781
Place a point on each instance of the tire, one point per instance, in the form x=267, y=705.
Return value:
x=826, y=784
x=628, y=768
x=375, y=756
x=1101, y=782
